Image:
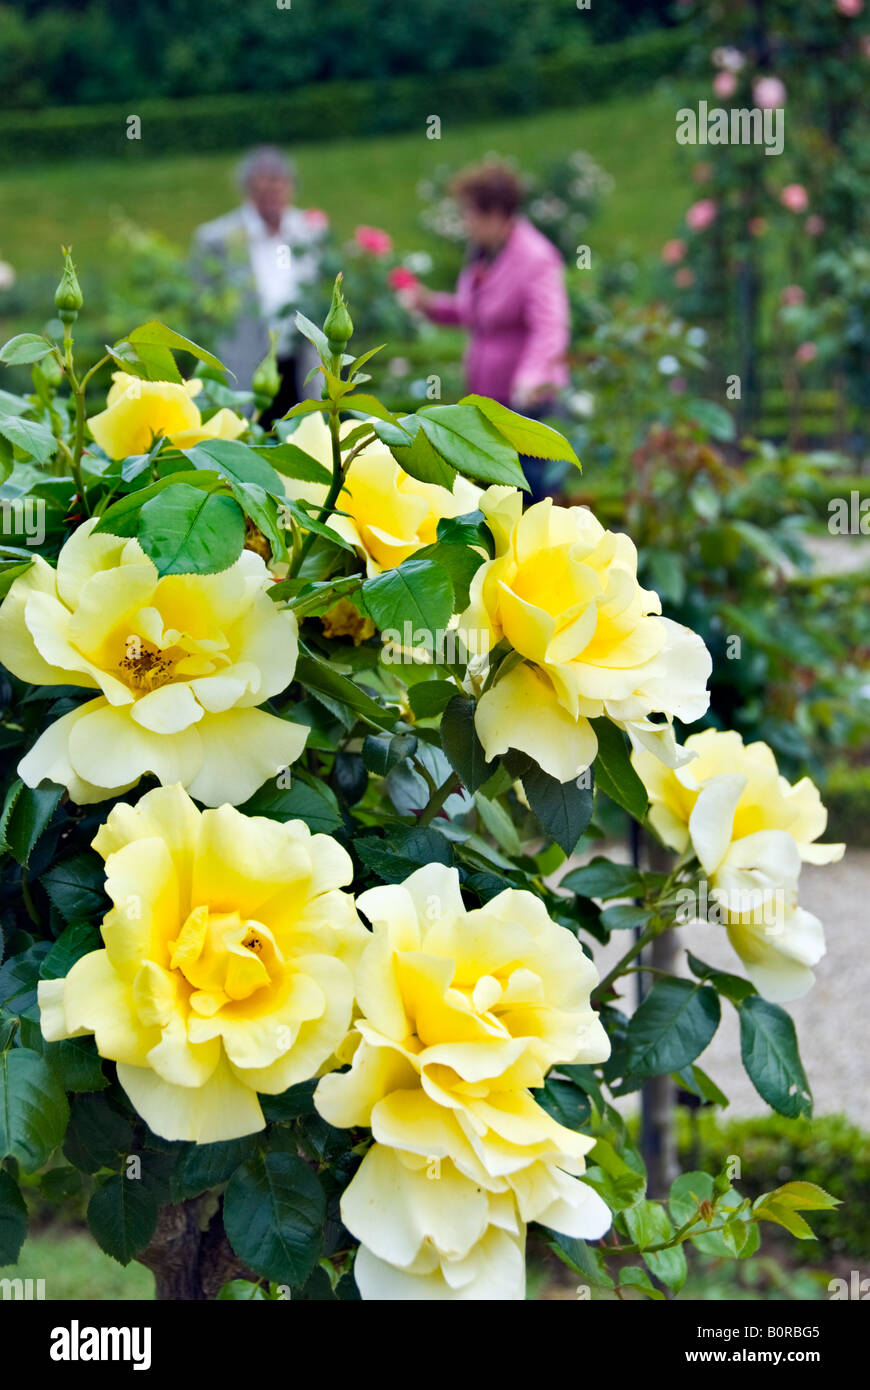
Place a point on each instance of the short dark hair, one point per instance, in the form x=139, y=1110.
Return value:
x=489, y=187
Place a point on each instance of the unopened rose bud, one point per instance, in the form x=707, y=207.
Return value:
x=68, y=295
x=339, y=325
x=266, y=381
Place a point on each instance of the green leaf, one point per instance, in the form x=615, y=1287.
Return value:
x=26, y=814
x=13, y=1218
x=316, y=675
x=430, y=698
x=769, y=1048
x=414, y=453
x=75, y=941
x=672, y=1027
x=565, y=1102
x=687, y=1193
x=122, y=1215
x=734, y=987
x=314, y=334
x=802, y=1196
x=76, y=1063
x=19, y=981
x=563, y=809
x=211, y=1165
x=291, y=461
x=122, y=518
x=468, y=530
x=76, y=887
x=696, y=1081
x=648, y=1223
x=24, y=347
x=624, y=916
x=149, y=338
x=524, y=435
x=459, y=562
x=397, y=856
x=274, y=1208
x=98, y=1136
x=33, y=1109
x=382, y=752
x=612, y=1178
x=185, y=531
x=461, y=744
x=602, y=879
x=633, y=1277
x=236, y=462
x=31, y=437
x=614, y=774
x=463, y=436
x=584, y=1259
x=417, y=592
x=311, y=802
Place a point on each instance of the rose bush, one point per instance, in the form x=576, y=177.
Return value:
x=294, y=936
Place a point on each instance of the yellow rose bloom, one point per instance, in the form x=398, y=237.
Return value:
x=387, y=514
x=461, y=1012
x=563, y=592
x=430, y=1233
x=751, y=830
x=764, y=800
x=181, y=662
x=227, y=966
x=138, y=411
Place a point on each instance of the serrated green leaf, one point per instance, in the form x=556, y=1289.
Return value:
x=33, y=1109
x=122, y=1215
x=274, y=1208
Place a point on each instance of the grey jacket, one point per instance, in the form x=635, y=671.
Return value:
x=221, y=252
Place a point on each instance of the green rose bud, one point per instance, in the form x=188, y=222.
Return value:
x=68, y=295
x=339, y=325
x=266, y=381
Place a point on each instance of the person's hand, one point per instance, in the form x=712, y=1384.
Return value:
x=416, y=297
x=525, y=397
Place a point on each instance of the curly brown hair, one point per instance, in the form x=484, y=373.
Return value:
x=489, y=187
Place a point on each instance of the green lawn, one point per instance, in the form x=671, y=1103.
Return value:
x=354, y=180
x=73, y=1266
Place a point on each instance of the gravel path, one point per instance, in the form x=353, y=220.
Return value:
x=832, y=1021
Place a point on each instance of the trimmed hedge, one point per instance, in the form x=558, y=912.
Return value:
x=321, y=111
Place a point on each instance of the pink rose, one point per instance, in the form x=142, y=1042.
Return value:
x=701, y=215
x=807, y=352
x=850, y=8
x=316, y=218
x=795, y=197
x=791, y=295
x=673, y=251
x=725, y=85
x=684, y=278
x=401, y=279
x=814, y=225
x=374, y=240
x=769, y=93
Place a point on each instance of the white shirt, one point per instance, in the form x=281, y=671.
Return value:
x=281, y=262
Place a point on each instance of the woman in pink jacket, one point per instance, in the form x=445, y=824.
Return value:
x=510, y=296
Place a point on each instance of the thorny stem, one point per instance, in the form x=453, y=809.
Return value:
x=436, y=803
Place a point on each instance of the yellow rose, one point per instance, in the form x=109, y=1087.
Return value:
x=138, y=411
x=428, y=1232
x=227, y=966
x=181, y=662
x=764, y=800
x=460, y=1014
x=750, y=830
x=563, y=592
x=387, y=514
